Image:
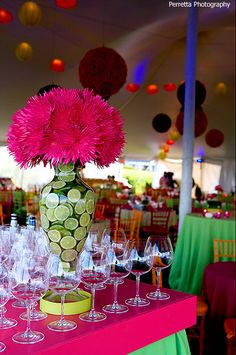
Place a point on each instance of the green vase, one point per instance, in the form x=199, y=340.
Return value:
x=67, y=206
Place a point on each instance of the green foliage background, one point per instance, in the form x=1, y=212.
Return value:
x=138, y=178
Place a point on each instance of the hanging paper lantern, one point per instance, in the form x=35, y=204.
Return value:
x=214, y=138
x=200, y=93
x=221, y=89
x=30, y=14
x=152, y=89
x=57, y=65
x=162, y=155
x=161, y=123
x=169, y=87
x=45, y=89
x=24, y=51
x=174, y=135
x=103, y=70
x=66, y=4
x=166, y=149
x=132, y=87
x=170, y=142
x=5, y=16
x=200, y=122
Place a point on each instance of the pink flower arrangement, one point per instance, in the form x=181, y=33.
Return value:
x=66, y=125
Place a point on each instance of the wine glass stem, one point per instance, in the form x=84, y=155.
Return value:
x=62, y=307
x=116, y=283
x=158, y=289
x=29, y=305
x=137, y=286
x=92, y=311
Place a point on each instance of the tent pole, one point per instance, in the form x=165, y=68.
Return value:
x=185, y=205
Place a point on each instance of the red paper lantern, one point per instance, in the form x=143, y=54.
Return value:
x=169, y=87
x=103, y=70
x=152, y=89
x=30, y=14
x=214, y=138
x=200, y=122
x=57, y=65
x=170, y=142
x=5, y=16
x=66, y=4
x=132, y=87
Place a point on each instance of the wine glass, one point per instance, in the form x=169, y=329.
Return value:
x=142, y=260
x=120, y=264
x=4, y=294
x=40, y=248
x=163, y=255
x=95, y=270
x=111, y=236
x=94, y=239
x=64, y=278
x=28, y=282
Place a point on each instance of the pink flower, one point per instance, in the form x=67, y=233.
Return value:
x=66, y=125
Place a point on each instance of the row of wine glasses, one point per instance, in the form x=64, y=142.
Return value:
x=28, y=270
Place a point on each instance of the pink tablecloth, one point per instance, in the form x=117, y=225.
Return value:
x=118, y=334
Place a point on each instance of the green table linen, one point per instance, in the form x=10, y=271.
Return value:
x=194, y=250
x=175, y=344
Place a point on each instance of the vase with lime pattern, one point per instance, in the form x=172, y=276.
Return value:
x=67, y=206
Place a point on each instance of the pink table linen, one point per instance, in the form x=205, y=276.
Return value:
x=118, y=334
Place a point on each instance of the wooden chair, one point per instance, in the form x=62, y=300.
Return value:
x=129, y=225
x=230, y=333
x=224, y=249
x=159, y=222
x=136, y=214
x=196, y=332
x=1, y=214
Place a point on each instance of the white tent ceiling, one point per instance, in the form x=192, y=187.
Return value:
x=140, y=31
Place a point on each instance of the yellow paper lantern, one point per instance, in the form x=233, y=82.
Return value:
x=174, y=135
x=162, y=155
x=221, y=88
x=30, y=14
x=24, y=51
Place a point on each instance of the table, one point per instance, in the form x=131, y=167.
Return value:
x=218, y=290
x=194, y=250
x=157, y=328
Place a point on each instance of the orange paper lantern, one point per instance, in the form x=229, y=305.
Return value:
x=5, y=16
x=57, y=65
x=24, y=51
x=221, y=88
x=30, y=14
x=152, y=89
x=166, y=149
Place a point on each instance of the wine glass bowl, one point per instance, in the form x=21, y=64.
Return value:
x=142, y=261
x=163, y=255
x=64, y=278
x=94, y=270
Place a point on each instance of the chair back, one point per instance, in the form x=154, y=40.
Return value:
x=160, y=219
x=224, y=249
x=1, y=214
x=137, y=214
x=129, y=225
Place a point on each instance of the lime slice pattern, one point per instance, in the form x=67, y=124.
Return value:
x=66, y=207
x=80, y=233
x=68, y=242
x=84, y=219
x=71, y=223
x=80, y=206
x=62, y=212
x=74, y=195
